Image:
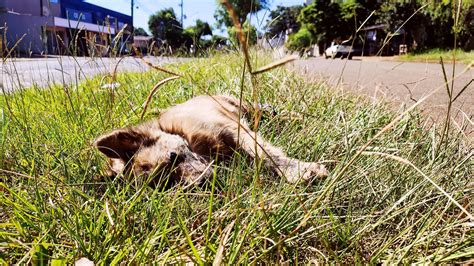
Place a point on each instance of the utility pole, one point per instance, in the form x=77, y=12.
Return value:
x=132, y=31
x=133, y=4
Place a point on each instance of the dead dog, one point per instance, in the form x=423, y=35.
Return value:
x=186, y=138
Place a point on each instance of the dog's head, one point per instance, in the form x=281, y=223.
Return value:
x=148, y=151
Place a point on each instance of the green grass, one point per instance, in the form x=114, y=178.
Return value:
x=434, y=55
x=374, y=209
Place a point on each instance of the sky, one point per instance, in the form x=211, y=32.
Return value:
x=193, y=10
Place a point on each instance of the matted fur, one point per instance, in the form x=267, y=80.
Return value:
x=186, y=138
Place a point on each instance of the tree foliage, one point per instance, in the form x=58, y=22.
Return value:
x=193, y=35
x=425, y=23
x=325, y=20
x=139, y=32
x=283, y=19
x=200, y=29
x=468, y=24
x=165, y=27
x=300, y=41
x=169, y=31
x=429, y=24
x=249, y=31
x=242, y=9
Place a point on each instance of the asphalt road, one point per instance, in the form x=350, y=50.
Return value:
x=399, y=83
x=25, y=72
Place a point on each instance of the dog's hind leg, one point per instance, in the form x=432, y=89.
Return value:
x=274, y=158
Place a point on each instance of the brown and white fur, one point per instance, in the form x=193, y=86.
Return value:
x=186, y=138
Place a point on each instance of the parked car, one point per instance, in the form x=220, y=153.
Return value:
x=342, y=50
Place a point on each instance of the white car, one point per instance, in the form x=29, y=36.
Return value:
x=339, y=50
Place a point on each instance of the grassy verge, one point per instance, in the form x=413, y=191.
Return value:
x=380, y=207
x=434, y=55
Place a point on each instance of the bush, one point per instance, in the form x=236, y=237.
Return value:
x=300, y=40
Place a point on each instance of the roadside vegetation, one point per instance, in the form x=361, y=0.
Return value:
x=398, y=192
x=376, y=27
x=434, y=55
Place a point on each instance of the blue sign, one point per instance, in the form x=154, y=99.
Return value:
x=78, y=15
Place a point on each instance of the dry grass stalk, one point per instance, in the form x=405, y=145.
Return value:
x=223, y=241
x=109, y=216
x=240, y=33
x=153, y=91
x=140, y=55
x=114, y=73
x=13, y=48
x=275, y=64
x=7, y=172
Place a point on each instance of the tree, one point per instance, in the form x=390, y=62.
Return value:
x=165, y=27
x=406, y=17
x=194, y=34
x=215, y=43
x=325, y=21
x=423, y=23
x=442, y=27
x=218, y=41
x=469, y=29
x=242, y=9
x=139, y=32
x=200, y=29
x=300, y=41
x=433, y=25
x=283, y=20
x=357, y=12
x=249, y=31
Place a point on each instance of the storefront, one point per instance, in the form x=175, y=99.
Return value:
x=63, y=27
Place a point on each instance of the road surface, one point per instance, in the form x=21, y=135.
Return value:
x=26, y=72
x=399, y=83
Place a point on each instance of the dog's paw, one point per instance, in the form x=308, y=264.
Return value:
x=305, y=171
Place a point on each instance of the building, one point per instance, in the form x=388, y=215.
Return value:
x=66, y=27
x=143, y=43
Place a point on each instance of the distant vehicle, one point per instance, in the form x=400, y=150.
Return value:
x=342, y=50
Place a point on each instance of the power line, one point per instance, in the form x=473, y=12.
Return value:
x=142, y=6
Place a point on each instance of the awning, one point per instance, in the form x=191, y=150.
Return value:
x=74, y=24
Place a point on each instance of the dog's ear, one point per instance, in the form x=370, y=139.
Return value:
x=120, y=143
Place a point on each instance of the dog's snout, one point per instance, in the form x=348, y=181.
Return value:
x=175, y=158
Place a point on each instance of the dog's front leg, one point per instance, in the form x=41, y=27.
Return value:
x=274, y=158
